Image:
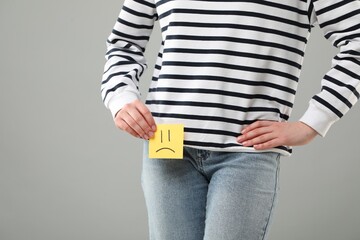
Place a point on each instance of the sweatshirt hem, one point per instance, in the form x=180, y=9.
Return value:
x=283, y=152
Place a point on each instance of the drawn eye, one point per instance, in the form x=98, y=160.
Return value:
x=161, y=136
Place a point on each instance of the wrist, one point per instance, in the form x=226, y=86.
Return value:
x=308, y=130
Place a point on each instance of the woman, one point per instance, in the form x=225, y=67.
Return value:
x=228, y=70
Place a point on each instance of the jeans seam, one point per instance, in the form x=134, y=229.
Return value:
x=196, y=162
x=200, y=158
x=273, y=199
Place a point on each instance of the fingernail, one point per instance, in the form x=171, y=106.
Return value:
x=244, y=143
x=153, y=128
x=243, y=131
x=146, y=136
x=151, y=134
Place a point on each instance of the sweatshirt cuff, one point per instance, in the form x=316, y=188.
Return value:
x=118, y=101
x=318, y=119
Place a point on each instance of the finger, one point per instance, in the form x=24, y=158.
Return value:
x=125, y=127
x=137, y=121
x=147, y=116
x=266, y=145
x=134, y=120
x=259, y=139
x=257, y=124
x=253, y=133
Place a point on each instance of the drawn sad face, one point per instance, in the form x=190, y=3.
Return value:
x=167, y=142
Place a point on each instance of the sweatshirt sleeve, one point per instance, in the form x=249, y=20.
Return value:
x=339, y=21
x=125, y=61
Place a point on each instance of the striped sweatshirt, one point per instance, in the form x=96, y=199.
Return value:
x=223, y=64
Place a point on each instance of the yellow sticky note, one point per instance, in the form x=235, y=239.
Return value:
x=168, y=141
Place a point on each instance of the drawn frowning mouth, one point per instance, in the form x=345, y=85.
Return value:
x=165, y=148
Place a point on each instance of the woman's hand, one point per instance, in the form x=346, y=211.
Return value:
x=136, y=119
x=267, y=134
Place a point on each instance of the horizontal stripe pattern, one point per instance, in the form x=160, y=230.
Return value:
x=223, y=65
x=340, y=23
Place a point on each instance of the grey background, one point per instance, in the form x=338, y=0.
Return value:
x=66, y=172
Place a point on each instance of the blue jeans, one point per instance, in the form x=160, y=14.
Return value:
x=210, y=195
